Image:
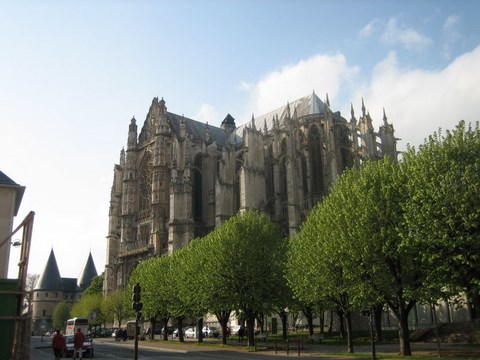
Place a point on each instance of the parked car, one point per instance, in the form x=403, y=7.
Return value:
x=234, y=329
x=87, y=351
x=190, y=332
x=175, y=332
x=210, y=331
x=170, y=330
x=157, y=330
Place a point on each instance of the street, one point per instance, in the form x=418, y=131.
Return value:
x=122, y=351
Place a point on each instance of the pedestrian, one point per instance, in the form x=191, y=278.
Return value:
x=78, y=340
x=58, y=344
x=241, y=333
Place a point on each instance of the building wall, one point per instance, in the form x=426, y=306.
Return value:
x=43, y=306
x=7, y=211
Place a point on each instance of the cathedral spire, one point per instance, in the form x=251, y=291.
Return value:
x=132, y=134
x=163, y=108
x=253, y=122
x=327, y=101
x=88, y=273
x=352, y=112
x=122, y=158
x=288, y=110
x=50, y=278
x=384, y=117
x=363, y=108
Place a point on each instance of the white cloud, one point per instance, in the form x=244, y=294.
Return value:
x=246, y=86
x=409, y=38
x=418, y=102
x=207, y=113
x=321, y=73
x=451, y=22
x=451, y=34
x=369, y=29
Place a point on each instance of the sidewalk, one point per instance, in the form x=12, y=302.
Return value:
x=308, y=349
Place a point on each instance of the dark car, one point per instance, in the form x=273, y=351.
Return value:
x=170, y=330
x=87, y=350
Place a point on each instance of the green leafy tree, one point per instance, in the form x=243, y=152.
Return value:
x=61, y=314
x=96, y=285
x=443, y=210
x=246, y=264
x=115, y=306
x=88, y=305
x=152, y=275
x=352, y=243
x=209, y=280
x=316, y=273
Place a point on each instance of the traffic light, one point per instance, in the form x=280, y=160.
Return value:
x=136, y=297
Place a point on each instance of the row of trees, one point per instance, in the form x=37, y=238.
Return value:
x=237, y=267
x=396, y=233
x=388, y=233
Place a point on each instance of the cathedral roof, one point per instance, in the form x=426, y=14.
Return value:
x=88, y=273
x=50, y=278
x=196, y=128
x=5, y=181
x=307, y=105
x=69, y=285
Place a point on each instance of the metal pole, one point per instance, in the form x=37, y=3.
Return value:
x=436, y=330
x=372, y=333
x=136, y=337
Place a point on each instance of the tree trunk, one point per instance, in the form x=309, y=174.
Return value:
x=330, y=325
x=322, y=322
x=473, y=304
x=403, y=333
x=251, y=330
x=348, y=320
x=377, y=313
x=180, y=329
x=341, y=324
x=165, y=330
x=199, y=330
x=153, y=322
x=283, y=317
x=308, y=312
x=223, y=317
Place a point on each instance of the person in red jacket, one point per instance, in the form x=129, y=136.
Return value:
x=58, y=344
x=78, y=340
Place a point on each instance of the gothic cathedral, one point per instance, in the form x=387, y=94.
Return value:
x=179, y=178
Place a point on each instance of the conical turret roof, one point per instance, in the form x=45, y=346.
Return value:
x=50, y=278
x=88, y=273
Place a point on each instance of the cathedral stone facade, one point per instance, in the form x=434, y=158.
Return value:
x=179, y=178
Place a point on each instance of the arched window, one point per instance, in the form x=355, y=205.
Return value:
x=197, y=188
x=283, y=178
x=269, y=180
x=316, y=164
x=146, y=174
x=306, y=205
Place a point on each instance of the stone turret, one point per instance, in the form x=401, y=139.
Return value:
x=228, y=124
x=50, y=278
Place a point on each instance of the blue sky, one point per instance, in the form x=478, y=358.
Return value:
x=73, y=73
